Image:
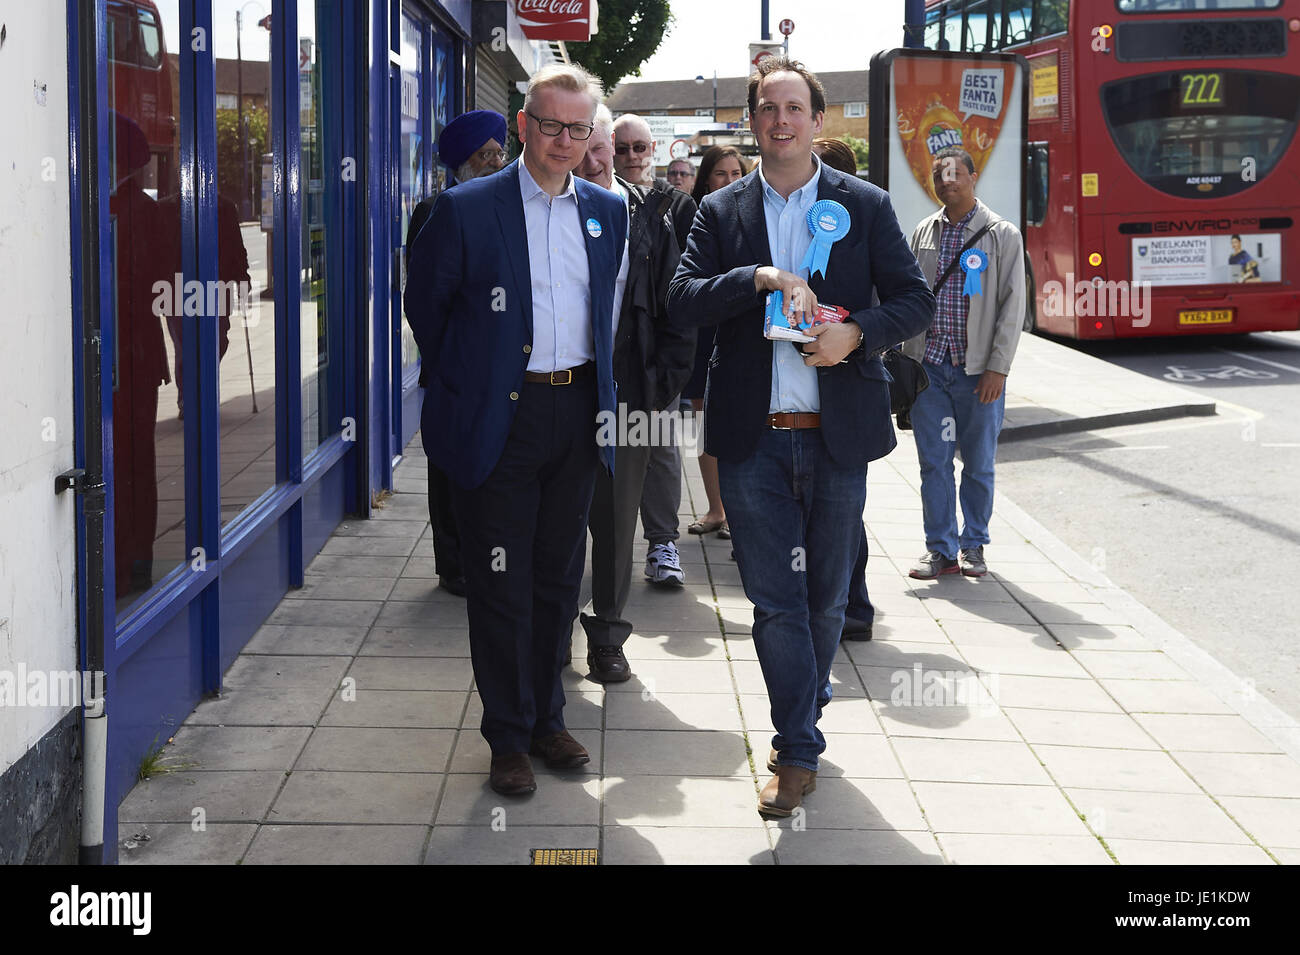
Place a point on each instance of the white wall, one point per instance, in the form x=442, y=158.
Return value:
x=37, y=543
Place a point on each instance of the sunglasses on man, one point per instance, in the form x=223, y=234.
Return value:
x=622, y=149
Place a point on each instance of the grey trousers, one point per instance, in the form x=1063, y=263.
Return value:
x=662, y=495
x=613, y=531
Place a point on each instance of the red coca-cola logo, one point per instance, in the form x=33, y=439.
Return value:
x=555, y=19
x=553, y=9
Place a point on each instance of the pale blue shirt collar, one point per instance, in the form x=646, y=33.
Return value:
x=529, y=189
x=799, y=195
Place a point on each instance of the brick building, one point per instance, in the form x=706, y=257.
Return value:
x=846, y=100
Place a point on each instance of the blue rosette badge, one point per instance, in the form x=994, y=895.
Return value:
x=829, y=222
x=973, y=262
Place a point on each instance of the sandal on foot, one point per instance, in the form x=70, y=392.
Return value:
x=704, y=527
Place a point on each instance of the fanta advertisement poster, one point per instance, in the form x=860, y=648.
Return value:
x=968, y=101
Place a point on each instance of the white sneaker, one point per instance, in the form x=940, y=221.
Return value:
x=663, y=567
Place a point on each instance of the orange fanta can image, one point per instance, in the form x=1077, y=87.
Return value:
x=931, y=98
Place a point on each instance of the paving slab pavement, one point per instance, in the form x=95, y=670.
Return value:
x=1039, y=715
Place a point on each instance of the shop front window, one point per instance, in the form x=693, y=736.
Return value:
x=149, y=315
x=245, y=224
x=321, y=365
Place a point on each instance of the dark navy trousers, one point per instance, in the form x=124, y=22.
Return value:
x=523, y=547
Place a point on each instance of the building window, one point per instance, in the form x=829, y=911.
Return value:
x=855, y=110
x=227, y=101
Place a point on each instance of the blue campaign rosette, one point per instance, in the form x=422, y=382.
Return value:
x=973, y=262
x=829, y=222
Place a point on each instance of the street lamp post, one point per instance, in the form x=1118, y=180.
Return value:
x=240, y=131
x=239, y=118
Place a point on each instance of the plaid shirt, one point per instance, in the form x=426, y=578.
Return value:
x=946, y=339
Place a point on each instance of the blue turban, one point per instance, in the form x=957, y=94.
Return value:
x=466, y=134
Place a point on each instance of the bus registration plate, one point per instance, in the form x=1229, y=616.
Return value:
x=1217, y=316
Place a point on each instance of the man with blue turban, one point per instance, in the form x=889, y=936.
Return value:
x=471, y=145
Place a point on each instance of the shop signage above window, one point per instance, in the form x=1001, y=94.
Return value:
x=573, y=21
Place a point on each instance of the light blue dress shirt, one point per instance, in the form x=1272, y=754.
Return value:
x=557, y=262
x=794, y=384
x=620, y=284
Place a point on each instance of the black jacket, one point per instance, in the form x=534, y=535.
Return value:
x=419, y=216
x=682, y=213
x=714, y=285
x=652, y=357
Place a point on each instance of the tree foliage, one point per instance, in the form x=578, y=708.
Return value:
x=630, y=32
x=231, y=152
x=859, y=147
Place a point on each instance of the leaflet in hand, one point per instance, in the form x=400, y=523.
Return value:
x=777, y=327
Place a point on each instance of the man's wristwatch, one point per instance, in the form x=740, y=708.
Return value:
x=861, y=336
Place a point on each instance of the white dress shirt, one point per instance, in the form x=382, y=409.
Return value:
x=557, y=262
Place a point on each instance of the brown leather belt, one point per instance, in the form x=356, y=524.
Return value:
x=795, y=421
x=565, y=377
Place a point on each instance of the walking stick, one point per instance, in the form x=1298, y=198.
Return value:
x=248, y=347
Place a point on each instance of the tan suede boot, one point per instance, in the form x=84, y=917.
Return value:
x=784, y=791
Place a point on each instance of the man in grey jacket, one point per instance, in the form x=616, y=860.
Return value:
x=652, y=360
x=967, y=353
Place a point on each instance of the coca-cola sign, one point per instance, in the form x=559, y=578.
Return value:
x=569, y=20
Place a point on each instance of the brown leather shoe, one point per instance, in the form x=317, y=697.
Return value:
x=560, y=750
x=772, y=757
x=783, y=793
x=512, y=775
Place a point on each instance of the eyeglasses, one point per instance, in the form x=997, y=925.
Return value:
x=623, y=148
x=487, y=155
x=680, y=173
x=553, y=127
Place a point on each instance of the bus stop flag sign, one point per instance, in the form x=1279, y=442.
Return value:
x=923, y=101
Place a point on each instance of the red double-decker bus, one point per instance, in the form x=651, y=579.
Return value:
x=1164, y=181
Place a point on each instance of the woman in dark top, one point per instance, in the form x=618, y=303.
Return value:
x=721, y=166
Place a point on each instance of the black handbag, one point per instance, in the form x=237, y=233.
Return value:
x=908, y=380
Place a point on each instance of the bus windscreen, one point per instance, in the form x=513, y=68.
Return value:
x=1188, y=6
x=1203, y=133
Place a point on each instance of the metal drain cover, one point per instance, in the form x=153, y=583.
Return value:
x=565, y=856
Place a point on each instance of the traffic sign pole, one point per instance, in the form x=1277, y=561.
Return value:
x=786, y=27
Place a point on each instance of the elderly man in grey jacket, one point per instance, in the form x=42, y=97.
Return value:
x=967, y=353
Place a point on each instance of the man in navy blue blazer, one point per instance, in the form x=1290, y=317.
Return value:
x=510, y=295
x=793, y=425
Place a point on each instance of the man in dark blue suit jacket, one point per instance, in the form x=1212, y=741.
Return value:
x=510, y=296
x=794, y=425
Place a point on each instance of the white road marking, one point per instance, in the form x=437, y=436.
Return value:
x=1266, y=444
x=1262, y=361
x=1123, y=447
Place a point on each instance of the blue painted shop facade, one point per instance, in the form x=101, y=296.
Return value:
x=244, y=175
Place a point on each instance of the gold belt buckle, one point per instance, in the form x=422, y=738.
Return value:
x=567, y=380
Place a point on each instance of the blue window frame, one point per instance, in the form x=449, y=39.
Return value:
x=421, y=36
x=166, y=650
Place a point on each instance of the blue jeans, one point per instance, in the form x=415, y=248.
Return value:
x=860, y=607
x=796, y=521
x=948, y=416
